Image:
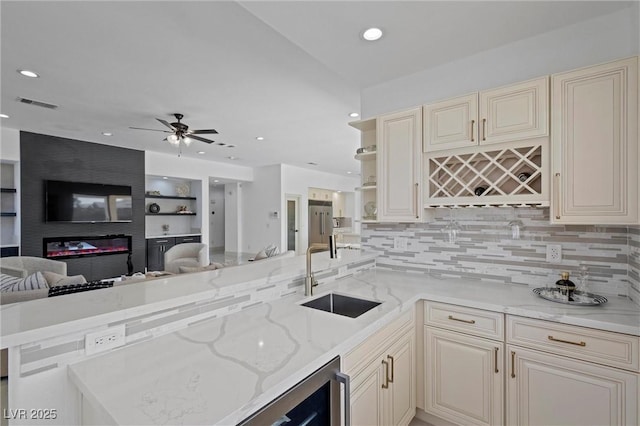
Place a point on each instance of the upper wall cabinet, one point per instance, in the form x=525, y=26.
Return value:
x=595, y=144
x=510, y=113
x=399, y=166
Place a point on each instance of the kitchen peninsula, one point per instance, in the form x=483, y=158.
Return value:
x=219, y=369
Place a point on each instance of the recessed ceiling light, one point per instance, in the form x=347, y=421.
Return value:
x=107, y=134
x=4, y=116
x=164, y=177
x=354, y=114
x=28, y=73
x=349, y=173
x=311, y=163
x=372, y=34
x=259, y=138
x=201, y=152
x=216, y=181
x=231, y=157
x=338, y=192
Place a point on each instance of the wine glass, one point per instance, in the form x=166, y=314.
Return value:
x=515, y=225
x=452, y=229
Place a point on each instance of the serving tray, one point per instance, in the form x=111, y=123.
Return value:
x=579, y=298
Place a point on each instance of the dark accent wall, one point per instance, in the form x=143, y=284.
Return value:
x=44, y=158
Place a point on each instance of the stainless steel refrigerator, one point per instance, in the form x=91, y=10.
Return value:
x=320, y=221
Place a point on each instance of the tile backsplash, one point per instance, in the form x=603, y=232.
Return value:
x=488, y=247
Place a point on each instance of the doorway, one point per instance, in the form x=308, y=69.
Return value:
x=293, y=223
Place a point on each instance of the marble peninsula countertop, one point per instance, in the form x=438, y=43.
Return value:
x=221, y=370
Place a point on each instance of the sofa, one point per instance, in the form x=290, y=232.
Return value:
x=53, y=272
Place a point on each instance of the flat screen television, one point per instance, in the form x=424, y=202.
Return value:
x=83, y=202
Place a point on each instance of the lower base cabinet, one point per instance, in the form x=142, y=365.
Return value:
x=384, y=392
x=464, y=378
x=383, y=382
x=546, y=389
x=156, y=248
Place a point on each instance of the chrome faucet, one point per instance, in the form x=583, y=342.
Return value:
x=310, y=281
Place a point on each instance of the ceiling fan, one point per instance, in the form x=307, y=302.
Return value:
x=180, y=132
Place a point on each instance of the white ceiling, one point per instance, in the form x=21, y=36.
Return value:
x=288, y=71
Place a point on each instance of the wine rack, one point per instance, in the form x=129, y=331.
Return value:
x=506, y=175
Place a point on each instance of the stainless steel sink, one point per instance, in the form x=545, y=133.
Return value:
x=347, y=306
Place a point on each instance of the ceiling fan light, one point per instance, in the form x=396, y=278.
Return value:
x=187, y=140
x=173, y=139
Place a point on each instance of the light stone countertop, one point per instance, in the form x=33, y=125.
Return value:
x=41, y=319
x=220, y=371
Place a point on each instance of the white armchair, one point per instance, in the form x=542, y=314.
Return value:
x=186, y=254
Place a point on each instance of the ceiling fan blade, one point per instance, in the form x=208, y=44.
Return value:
x=166, y=123
x=198, y=138
x=204, y=132
x=153, y=130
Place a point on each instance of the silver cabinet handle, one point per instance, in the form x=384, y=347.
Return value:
x=417, y=206
x=390, y=358
x=385, y=385
x=452, y=318
x=553, y=339
x=557, y=195
x=484, y=129
x=346, y=381
x=513, y=364
x=473, y=125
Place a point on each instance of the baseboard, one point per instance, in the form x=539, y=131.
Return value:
x=431, y=419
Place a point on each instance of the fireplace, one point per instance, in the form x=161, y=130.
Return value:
x=72, y=247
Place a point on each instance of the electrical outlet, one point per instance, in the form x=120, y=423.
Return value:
x=103, y=340
x=554, y=253
x=400, y=243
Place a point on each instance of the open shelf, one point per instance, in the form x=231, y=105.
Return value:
x=170, y=197
x=170, y=214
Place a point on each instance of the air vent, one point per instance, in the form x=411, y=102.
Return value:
x=37, y=103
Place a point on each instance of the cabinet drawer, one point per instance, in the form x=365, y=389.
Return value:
x=361, y=356
x=466, y=320
x=602, y=347
x=189, y=239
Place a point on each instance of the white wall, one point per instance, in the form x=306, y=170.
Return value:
x=232, y=222
x=602, y=39
x=9, y=144
x=260, y=199
x=296, y=181
x=216, y=221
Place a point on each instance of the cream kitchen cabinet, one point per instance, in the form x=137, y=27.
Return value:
x=382, y=371
x=506, y=114
x=464, y=381
x=566, y=375
x=595, y=144
x=399, y=142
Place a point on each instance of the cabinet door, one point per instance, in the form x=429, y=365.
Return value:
x=516, y=112
x=156, y=248
x=401, y=394
x=366, y=396
x=451, y=124
x=464, y=378
x=595, y=144
x=545, y=389
x=399, y=166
